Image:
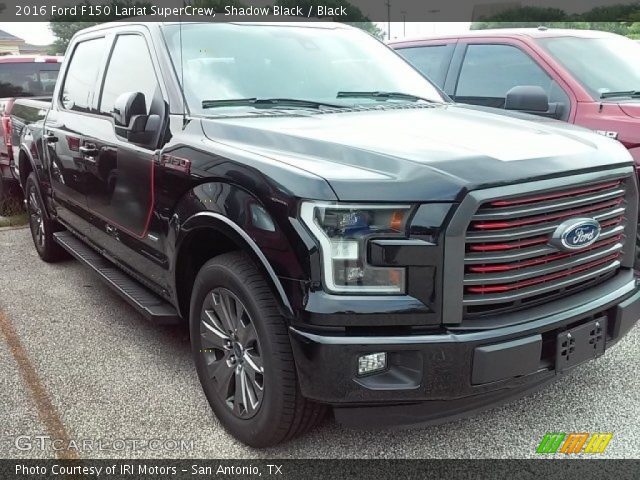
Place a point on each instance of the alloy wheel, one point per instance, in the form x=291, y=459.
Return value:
x=232, y=353
x=36, y=220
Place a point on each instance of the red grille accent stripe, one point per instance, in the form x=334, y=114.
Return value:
x=551, y=196
x=492, y=247
x=545, y=218
x=611, y=222
x=542, y=279
x=505, y=267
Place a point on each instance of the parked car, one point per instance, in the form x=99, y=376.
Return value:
x=588, y=78
x=20, y=76
x=336, y=233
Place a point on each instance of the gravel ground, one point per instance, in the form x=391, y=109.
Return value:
x=108, y=375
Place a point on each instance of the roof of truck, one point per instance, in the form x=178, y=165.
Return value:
x=540, y=32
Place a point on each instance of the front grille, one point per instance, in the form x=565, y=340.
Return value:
x=509, y=263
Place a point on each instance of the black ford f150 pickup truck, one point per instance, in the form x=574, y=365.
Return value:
x=335, y=231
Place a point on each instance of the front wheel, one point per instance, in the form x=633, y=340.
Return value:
x=243, y=355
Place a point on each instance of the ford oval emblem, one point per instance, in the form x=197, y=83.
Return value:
x=575, y=234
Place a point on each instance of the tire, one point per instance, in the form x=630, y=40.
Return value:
x=41, y=226
x=224, y=351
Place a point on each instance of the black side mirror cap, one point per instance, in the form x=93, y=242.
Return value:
x=528, y=98
x=128, y=106
x=131, y=120
x=144, y=129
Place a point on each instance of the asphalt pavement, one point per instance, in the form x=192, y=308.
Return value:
x=79, y=367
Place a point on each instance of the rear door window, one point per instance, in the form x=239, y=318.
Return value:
x=432, y=60
x=33, y=79
x=80, y=80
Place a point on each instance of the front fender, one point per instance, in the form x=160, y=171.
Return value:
x=231, y=230
x=30, y=150
x=253, y=225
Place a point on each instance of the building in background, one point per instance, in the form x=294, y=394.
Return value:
x=12, y=45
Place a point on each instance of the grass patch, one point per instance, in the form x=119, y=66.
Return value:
x=12, y=212
x=14, y=220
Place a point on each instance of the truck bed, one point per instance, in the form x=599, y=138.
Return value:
x=22, y=112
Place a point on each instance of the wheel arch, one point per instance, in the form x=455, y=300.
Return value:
x=216, y=234
x=25, y=165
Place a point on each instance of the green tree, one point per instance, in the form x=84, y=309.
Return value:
x=521, y=17
x=612, y=13
x=370, y=27
x=620, y=19
x=64, y=31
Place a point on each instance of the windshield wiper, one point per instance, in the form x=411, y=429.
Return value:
x=384, y=96
x=627, y=93
x=267, y=103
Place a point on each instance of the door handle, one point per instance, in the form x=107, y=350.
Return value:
x=50, y=138
x=88, y=150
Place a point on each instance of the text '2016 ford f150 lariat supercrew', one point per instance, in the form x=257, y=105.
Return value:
x=334, y=230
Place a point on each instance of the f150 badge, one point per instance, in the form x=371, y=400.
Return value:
x=576, y=233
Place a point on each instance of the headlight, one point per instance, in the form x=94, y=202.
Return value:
x=343, y=232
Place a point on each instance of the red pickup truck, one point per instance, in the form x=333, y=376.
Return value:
x=20, y=76
x=588, y=78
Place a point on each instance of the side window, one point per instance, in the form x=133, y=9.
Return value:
x=490, y=71
x=130, y=70
x=432, y=61
x=81, y=76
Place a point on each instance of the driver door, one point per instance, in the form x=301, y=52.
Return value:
x=119, y=171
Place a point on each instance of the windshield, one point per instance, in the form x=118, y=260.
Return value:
x=328, y=65
x=602, y=65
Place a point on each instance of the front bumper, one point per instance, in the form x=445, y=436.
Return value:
x=436, y=377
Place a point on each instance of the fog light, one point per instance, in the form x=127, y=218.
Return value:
x=372, y=362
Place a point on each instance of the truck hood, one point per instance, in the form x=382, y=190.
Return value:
x=632, y=108
x=433, y=153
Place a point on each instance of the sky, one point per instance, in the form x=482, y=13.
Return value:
x=38, y=33
x=400, y=30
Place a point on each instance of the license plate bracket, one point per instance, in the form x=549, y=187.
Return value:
x=580, y=344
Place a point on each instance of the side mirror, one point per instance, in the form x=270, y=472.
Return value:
x=528, y=98
x=131, y=120
x=534, y=100
x=128, y=106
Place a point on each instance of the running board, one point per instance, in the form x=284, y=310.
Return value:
x=151, y=306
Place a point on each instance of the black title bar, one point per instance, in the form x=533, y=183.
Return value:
x=336, y=10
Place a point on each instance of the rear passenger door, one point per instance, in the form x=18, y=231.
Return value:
x=487, y=71
x=69, y=129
